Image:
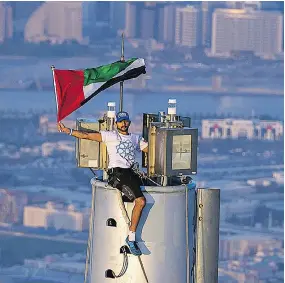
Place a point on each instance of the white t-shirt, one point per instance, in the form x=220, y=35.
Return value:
x=122, y=148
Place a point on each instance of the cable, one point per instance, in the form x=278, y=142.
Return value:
x=124, y=267
x=128, y=222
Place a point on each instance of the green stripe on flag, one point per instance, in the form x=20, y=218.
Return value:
x=106, y=72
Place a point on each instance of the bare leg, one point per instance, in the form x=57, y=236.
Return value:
x=136, y=214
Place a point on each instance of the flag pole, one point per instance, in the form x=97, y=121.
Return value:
x=52, y=69
x=122, y=83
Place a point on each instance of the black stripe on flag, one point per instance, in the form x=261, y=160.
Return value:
x=134, y=73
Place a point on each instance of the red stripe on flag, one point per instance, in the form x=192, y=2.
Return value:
x=69, y=91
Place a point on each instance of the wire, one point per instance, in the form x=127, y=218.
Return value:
x=124, y=267
x=128, y=222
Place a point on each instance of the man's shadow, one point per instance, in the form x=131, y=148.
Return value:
x=144, y=216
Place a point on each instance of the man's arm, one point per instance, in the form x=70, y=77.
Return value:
x=143, y=144
x=80, y=134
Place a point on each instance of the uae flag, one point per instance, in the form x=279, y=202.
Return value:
x=73, y=88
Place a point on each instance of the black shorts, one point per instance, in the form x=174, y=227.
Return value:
x=126, y=181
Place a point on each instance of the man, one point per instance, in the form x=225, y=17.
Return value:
x=121, y=148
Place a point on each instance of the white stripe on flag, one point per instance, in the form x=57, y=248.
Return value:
x=91, y=88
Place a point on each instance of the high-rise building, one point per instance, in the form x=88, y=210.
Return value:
x=21, y=12
x=56, y=216
x=118, y=15
x=243, y=4
x=6, y=22
x=235, y=30
x=206, y=23
x=187, y=27
x=97, y=18
x=131, y=19
x=147, y=23
x=166, y=23
x=55, y=21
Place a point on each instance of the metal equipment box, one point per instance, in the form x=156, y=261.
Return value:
x=148, y=119
x=176, y=151
x=90, y=154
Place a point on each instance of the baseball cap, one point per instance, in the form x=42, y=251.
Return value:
x=121, y=116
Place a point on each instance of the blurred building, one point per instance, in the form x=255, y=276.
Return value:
x=243, y=4
x=147, y=19
x=117, y=15
x=187, y=27
x=166, y=23
x=49, y=148
x=21, y=13
x=206, y=22
x=6, y=22
x=8, y=207
x=279, y=177
x=12, y=206
x=249, y=30
x=56, y=216
x=207, y=9
x=242, y=129
x=98, y=17
x=57, y=22
x=244, y=245
x=131, y=19
x=48, y=124
x=150, y=20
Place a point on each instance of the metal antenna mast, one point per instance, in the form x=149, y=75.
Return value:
x=122, y=83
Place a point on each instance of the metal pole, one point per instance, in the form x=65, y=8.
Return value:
x=52, y=70
x=207, y=237
x=122, y=83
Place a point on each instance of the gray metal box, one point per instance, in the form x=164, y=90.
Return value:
x=88, y=153
x=176, y=151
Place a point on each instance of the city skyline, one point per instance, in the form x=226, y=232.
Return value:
x=180, y=24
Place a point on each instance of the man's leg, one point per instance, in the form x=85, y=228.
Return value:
x=136, y=213
x=132, y=189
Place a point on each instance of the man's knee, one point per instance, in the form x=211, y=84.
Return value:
x=140, y=202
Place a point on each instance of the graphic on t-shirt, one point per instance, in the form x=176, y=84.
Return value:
x=126, y=150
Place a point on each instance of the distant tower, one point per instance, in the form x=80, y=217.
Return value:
x=56, y=21
x=187, y=27
x=166, y=28
x=206, y=23
x=236, y=30
x=117, y=15
x=131, y=21
x=147, y=23
x=21, y=13
x=6, y=22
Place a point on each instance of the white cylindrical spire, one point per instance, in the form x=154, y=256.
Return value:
x=171, y=106
x=111, y=110
x=164, y=235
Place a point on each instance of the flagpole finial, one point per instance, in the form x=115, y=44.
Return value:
x=52, y=67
